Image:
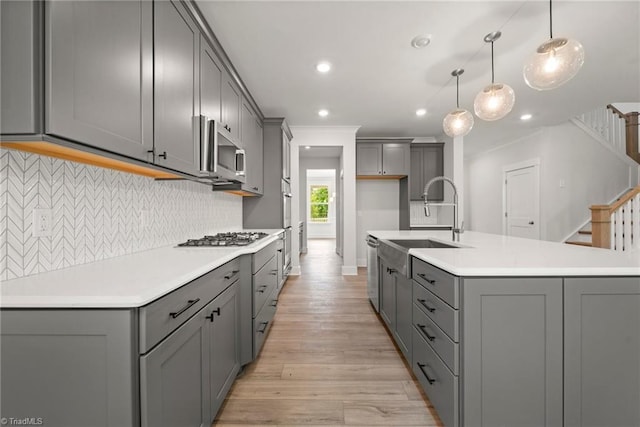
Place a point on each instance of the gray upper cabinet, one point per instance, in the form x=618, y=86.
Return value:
x=211, y=72
x=602, y=352
x=383, y=159
x=251, y=132
x=286, y=156
x=176, y=87
x=512, y=352
x=99, y=58
x=20, y=31
x=231, y=102
x=426, y=162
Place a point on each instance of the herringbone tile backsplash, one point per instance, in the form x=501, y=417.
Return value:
x=97, y=213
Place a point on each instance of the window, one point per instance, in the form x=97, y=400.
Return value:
x=319, y=203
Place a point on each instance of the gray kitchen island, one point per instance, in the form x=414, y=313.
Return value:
x=504, y=331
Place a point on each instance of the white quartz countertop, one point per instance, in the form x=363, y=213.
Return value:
x=126, y=281
x=485, y=254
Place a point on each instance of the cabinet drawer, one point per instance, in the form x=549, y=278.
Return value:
x=161, y=317
x=437, y=339
x=263, y=256
x=440, y=385
x=263, y=321
x=264, y=282
x=441, y=283
x=440, y=312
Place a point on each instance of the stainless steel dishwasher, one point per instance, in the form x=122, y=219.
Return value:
x=373, y=285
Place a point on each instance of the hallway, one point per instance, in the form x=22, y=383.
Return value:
x=327, y=360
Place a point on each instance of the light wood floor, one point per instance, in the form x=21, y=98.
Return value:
x=327, y=360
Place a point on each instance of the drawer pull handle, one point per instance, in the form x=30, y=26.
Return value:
x=190, y=303
x=424, y=304
x=274, y=303
x=273, y=272
x=424, y=276
x=391, y=270
x=424, y=372
x=230, y=275
x=265, y=324
x=262, y=288
x=216, y=311
x=423, y=328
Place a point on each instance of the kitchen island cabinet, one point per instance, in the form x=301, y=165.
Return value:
x=510, y=331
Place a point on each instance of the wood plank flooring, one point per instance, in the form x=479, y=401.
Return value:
x=327, y=361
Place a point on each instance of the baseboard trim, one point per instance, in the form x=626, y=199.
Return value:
x=362, y=262
x=349, y=270
x=295, y=271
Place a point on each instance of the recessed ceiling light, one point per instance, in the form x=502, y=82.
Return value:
x=421, y=112
x=323, y=67
x=323, y=113
x=307, y=147
x=525, y=117
x=421, y=40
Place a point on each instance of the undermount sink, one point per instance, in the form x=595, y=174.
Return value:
x=425, y=243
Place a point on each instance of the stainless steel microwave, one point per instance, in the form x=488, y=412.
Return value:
x=221, y=157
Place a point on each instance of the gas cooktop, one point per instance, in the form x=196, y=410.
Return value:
x=241, y=238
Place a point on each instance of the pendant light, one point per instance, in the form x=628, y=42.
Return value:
x=459, y=121
x=496, y=100
x=555, y=62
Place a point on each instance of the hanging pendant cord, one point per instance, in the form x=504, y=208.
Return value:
x=550, y=21
x=492, y=79
x=458, y=91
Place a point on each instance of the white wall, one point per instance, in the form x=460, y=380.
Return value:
x=378, y=207
x=344, y=136
x=591, y=174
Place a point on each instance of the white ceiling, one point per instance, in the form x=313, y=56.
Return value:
x=378, y=80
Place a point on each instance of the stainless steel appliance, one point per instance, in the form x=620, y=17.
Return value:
x=241, y=238
x=221, y=157
x=373, y=284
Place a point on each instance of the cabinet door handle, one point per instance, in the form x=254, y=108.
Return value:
x=190, y=303
x=262, y=288
x=163, y=155
x=273, y=272
x=255, y=188
x=274, y=303
x=424, y=372
x=423, y=276
x=230, y=275
x=265, y=324
x=424, y=304
x=391, y=270
x=423, y=328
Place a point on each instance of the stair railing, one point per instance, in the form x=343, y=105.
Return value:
x=618, y=129
x=617, y=226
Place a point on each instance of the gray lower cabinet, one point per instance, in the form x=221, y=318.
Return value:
x=387, y=295
x=69, y=367
x=427, y=161
x=99, y=79
x=176, y=87
x=174, y=390
x=602, y=352
x=512, y=352
x=404, y=323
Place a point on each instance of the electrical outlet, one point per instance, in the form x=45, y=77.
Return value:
x=42, y=222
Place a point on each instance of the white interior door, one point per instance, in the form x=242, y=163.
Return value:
x=522, y=202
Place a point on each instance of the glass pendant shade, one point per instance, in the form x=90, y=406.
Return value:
x=494, y=102
x=457, y=123
x=554, y=63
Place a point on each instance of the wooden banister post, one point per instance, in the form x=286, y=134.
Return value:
x=601, y=226
x=632, y=135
